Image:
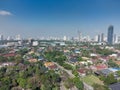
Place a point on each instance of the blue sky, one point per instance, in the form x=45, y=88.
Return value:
x=36, y=18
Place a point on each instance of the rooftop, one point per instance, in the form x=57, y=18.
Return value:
x=115, y=86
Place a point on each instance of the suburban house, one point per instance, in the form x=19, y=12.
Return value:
x=51, y=66
x=82, y=72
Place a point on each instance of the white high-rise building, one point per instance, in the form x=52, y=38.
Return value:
x=118, y=39
x=88, y=38
x=115, y=39
x=96, y=38
x=79, y=36
x=1, y=37
x=18, y=37
x=9, y=38
x=65, y=38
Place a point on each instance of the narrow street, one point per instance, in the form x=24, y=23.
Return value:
x=68, y=71
x=62, y=87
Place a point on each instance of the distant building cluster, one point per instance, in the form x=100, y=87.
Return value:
x=101, y=38
x=17, y=37
x=110, y=39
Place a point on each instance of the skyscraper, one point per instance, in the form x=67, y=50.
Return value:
x=65, y=38
x=1, y=37
x=102, y=37
x=79, y=36
x=115, y=38
x=99, y=38
x=18, y=37
x=110, y=35
x=118, y=39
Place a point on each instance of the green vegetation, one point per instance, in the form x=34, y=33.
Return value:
x=85, y=53
x=118, y=73
x=79, y=58
x=67, y=66
x=103, y=52
x=71, y=82
x=23, y=51
x=78, y=83
x=74, y=72
x=110, y=79
x=56, y=56
x=91, y=80
x=100, y=87
x=95, y=82
x=33, y=76
x=111, y=63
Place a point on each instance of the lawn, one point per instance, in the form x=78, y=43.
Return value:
x=91, y=79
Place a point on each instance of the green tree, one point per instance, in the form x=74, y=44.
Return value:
x=6, y=80
x=112, y=64
x=33, y=83
x=19, y=59
x=23, y=51
x=118, y=73
x=5, y=87
x=69, y=83
x=100, y=87
x=14, y=83
x=67, y=66
x=78, y=83
x=110, y=79
x=22, y=82
x=75, y=73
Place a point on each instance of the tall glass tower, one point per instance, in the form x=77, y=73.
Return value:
x=110, y=35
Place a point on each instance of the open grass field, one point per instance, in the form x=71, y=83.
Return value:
x=91, y=79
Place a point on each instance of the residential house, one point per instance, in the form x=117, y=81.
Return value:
x=115, y=86
x=82, y=72
x=32, y=60
x=51, y=66
x=73, y=61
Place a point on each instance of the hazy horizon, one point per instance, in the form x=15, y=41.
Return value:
x=31, y=18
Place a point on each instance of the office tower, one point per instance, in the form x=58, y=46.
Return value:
x=98, y=38
x=102, y=37
x=9, y=38
x=79, y=36
x=110, y=35
x=1, y=37
x=18, y=37
x=64, y=38
x=115, y=38
x=118, y=40
x=88, y=38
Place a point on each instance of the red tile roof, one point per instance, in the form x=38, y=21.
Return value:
x=52, y=67
x=81, y=70
x=101, y=66
x=9, y=55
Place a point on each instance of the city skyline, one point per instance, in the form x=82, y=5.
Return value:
x=58, y=18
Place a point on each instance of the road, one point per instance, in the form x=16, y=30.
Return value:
x=68, y=71
x=70, y=75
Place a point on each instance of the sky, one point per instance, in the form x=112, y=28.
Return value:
x=37, y=18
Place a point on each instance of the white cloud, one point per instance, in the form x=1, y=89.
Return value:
x=5, y=13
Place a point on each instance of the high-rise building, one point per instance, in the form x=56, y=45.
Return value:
x=1, y=37
x=110, y=35
x=18, y=37
x=115, y=38
x=65, y=38
x=99, y=38
x=9, y=38
x=96, y=38
x=118, y=39
x=102, y=37
x=79, y=36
